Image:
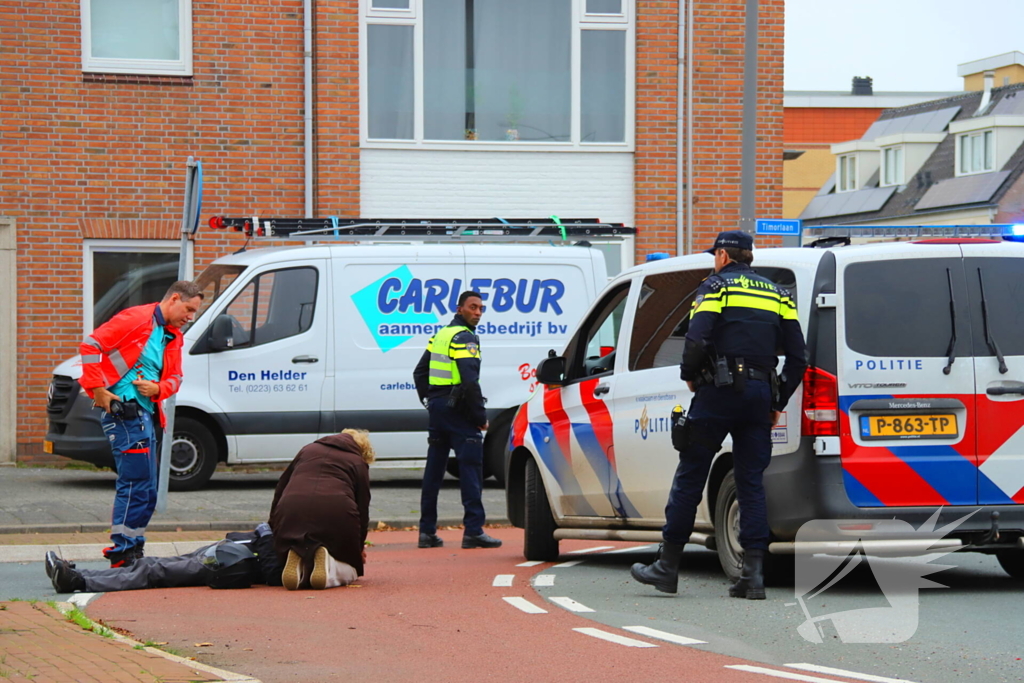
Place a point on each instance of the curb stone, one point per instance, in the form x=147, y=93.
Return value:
x=66, y=607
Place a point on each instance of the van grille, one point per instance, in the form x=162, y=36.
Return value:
x=61, y=394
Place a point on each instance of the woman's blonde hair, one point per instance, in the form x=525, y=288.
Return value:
x=362, y=439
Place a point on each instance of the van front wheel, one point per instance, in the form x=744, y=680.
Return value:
x=193, y=455
x=539, y=542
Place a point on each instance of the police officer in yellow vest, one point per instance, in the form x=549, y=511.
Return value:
x=448, y=383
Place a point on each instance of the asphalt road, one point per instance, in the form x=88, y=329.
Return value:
x=58, y=500
x=968, y=631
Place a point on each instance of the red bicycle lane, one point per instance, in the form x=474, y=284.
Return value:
x=417, y=615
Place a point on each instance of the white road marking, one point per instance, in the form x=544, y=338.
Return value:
x=613, y=638
x=591, y=550
x=503, y=580
x=631, y=549
x=779, y=674
x=531, y=563
x=525, y=605
x=82, y=599
x=848, y=674
x=570, y=563
x=664, y=635
x=571, y=605
x=544, y=580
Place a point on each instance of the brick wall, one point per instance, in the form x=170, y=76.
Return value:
x=719, y=29
x=104, y=156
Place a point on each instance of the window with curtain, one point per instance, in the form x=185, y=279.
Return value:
x=137, y=36
x=498, y=72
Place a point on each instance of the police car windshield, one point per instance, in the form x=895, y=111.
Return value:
x=214, y=280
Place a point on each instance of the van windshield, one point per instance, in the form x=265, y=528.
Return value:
x=214, y=280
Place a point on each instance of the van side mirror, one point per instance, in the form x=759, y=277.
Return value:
x=222, y=334
x=551, y=370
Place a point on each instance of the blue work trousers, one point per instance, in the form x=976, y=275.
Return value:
x=134, y=445
x=450, y=430
x=718, y=411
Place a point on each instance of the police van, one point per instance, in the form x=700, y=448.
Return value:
x=295, y=343
x=912, y=405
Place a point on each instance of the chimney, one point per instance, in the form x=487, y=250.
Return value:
x=986, y=95
x=861, y=86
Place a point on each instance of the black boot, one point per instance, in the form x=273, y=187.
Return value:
x=751, y=582
x=663, y=574
x=66, y=578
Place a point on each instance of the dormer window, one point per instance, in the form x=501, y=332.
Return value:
x=892, y=165
x=847, y=173
x=976, y=153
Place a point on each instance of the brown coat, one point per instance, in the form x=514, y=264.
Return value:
x=323, y=499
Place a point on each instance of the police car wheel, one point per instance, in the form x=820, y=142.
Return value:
x=1012, y=561
x=193, y=455
x=727, y=528
x=452, y=467
x=539, y=542
x=495, y=447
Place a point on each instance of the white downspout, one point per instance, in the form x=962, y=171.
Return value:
x=307, y=30
x=689, y=126
x=680, y=131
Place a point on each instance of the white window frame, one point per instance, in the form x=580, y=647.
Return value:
x=155, y=67
x=846, y=170
x=581, y=21
x=92, y=246
x=897, y=171
x=988, y=152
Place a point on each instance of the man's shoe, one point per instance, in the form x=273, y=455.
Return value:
x=50, y=562
x=66, y=578
x=430, y=541
x=751, y=582
x=481, y=541
x=121, y=559
x=138, y=552
x=663, y=573
x=318, y=577
x=291, y=575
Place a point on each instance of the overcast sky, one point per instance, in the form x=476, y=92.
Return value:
x=901, y=44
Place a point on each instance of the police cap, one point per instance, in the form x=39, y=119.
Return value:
x=732, y=239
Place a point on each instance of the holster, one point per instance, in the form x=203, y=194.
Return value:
x=776, y=385
x=680, y=429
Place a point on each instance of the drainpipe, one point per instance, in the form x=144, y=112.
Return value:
x=986, y=96
x=748, y=176
x=688, y=198
x=680, y=131
x=307, y=31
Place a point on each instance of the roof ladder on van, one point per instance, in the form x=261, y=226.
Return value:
x=433, y=229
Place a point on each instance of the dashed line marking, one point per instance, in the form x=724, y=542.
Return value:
x=503, y=580
x=525, y=605
x=664, y=635
x=591, y=550
x=531, y=563
x=631, y=549
x=779, y=674
x=571, y=605
x=613, y=638
x=570, y=563
x=544, y=580
x=828, y=670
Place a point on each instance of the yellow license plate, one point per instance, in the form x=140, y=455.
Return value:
x=48, y=447
x=931, y=426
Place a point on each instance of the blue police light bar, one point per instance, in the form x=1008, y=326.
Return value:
x=1014, y=233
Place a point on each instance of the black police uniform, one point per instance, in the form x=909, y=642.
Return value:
x=741, y=319
x=454, y=428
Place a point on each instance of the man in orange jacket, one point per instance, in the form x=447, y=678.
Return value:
x=130, y=364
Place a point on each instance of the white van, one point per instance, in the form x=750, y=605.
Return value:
x=913, y=403
x=294, y=343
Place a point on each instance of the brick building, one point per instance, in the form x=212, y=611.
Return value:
x=568, y=107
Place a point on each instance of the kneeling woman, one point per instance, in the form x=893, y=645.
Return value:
x=321, y=511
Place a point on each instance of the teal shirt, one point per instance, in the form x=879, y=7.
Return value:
x=149, y=366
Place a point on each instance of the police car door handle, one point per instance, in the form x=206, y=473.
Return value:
x=601, y=389
x=305, y=359
x=1015, y=388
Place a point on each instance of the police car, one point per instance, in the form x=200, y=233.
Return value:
x=295, y=343
x=913, y=404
